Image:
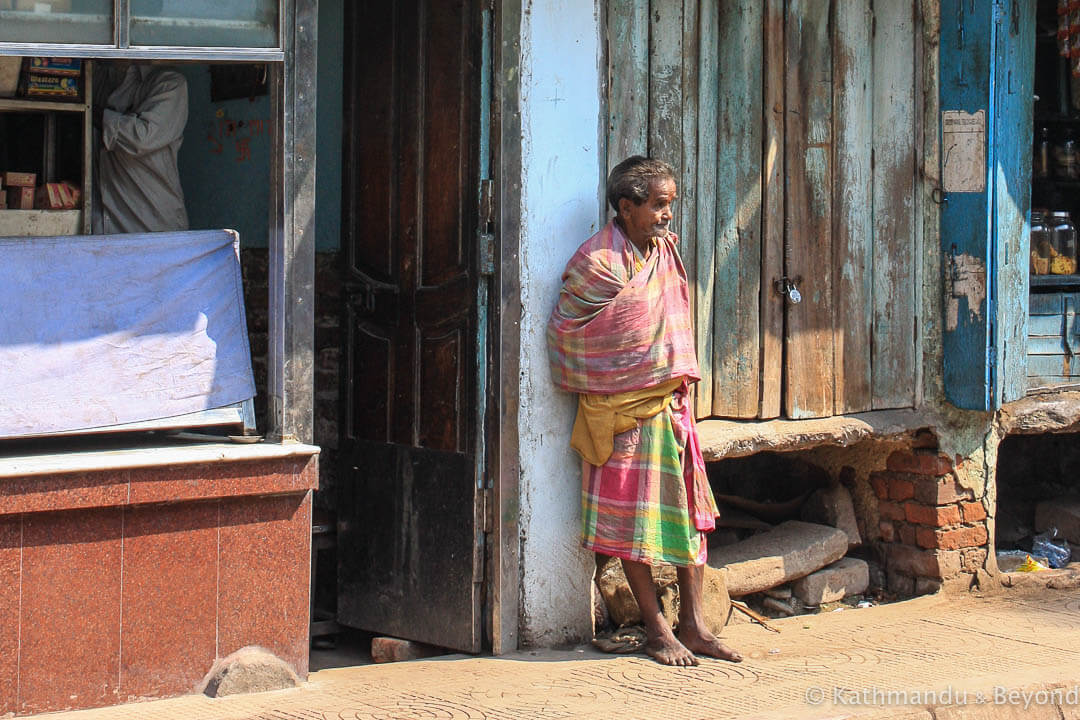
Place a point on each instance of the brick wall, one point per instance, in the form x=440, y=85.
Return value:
x=933, y=530
x=255, y=264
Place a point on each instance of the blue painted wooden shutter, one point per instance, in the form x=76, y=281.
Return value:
x=987, y=71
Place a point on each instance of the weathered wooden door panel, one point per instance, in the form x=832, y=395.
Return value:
x=853, y=230
x=407, y=540
x=769, y=112
x=772, y=218
x=1014, y=80
x=893, y=346
x=735, y=229
x=808, y=363
x=987, y=72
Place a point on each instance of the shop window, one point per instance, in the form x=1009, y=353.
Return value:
x=205, y=23
x=57, y=21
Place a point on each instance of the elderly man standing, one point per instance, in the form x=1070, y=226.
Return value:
x=141, y=111
x=622, y=338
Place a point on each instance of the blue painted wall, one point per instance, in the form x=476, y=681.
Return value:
x=225, y=158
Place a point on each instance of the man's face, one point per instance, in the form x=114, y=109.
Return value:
x=651, y=218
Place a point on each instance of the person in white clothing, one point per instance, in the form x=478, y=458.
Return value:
x=141, y=122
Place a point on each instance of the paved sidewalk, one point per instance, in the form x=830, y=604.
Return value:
x=881, y=662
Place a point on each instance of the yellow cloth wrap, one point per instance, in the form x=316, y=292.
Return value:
x=601, y=417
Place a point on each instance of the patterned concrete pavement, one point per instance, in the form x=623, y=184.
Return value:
x=1015, y=654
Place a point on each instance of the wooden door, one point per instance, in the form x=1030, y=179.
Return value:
x=792, y=126
x=409, y=549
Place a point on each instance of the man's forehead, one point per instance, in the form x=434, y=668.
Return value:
x=663, y=186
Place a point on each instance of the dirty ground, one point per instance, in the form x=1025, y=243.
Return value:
x=1014, y=648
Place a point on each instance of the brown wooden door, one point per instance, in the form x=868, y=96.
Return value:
x=407, y=540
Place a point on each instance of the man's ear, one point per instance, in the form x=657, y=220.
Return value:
x=625, y=204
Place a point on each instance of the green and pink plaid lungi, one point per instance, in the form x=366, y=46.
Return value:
x=615, y=330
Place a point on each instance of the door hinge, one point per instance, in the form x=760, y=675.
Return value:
x=486, y=235
x=487, y=205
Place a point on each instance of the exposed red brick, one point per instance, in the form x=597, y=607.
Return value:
x=880, y=485
x=961, y=537
x=890, y=510
x=900, y=489
x=921, y=563
x=906, y=532
x=919, y=462
x=941, y=491
x=932, y=515
x=973, y=511
x=888, y=531
x=924, y=440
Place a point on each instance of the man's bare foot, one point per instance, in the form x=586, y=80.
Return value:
x=666, y=649
x=704, y=642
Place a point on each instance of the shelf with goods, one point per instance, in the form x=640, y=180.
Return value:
x=54, y=112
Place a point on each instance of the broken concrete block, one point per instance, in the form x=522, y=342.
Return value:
x=716, y=603
x=833, y=506
x=771, y=603
x=788, y=551
x=846, y=576
x=249, y=669
x=1062, y=513
x=392, y=649
x=623, y=608
x=780, y=593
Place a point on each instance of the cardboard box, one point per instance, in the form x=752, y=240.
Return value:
x=20, y=198
x=56, y=196
x=71, y=67
x=18, y=179
x=10, y=68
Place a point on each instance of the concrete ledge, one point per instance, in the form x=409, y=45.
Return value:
x=732, y=438
x=86, y=460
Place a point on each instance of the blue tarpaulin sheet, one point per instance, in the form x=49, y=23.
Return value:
x=99, y=330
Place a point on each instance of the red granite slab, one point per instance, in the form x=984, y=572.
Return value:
x=10, y=548
x=219, y=480
x=170, y=598
x=70, y=638
x=65, y=491
x=264, y=583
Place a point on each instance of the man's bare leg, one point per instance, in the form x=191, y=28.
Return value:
x=693, y=632
x=662, y=643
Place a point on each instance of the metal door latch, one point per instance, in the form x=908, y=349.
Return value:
x=786, y=287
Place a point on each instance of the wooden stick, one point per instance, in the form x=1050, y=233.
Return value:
x=756, y=617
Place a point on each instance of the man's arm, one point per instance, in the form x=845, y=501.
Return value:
x=154, y=123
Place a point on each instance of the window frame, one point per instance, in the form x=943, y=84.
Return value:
x=293, y=90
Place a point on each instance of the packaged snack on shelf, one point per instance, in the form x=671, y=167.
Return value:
x=71, y=67
x=20, y=198
x=52, y=86
x=18, y=179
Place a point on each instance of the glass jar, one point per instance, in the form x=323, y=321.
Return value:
x=1040, y=165
x=1040, y=245
x=1062, y=244
x=1066, y=165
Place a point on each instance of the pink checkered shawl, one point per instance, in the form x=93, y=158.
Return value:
x=611, y=333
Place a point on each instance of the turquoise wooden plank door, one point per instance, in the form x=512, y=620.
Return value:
x=987, y=70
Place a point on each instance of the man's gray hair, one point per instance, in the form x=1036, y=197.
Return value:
x=632, y=177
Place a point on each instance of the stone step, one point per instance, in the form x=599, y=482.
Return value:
x=846, y=576
x=788, y=551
